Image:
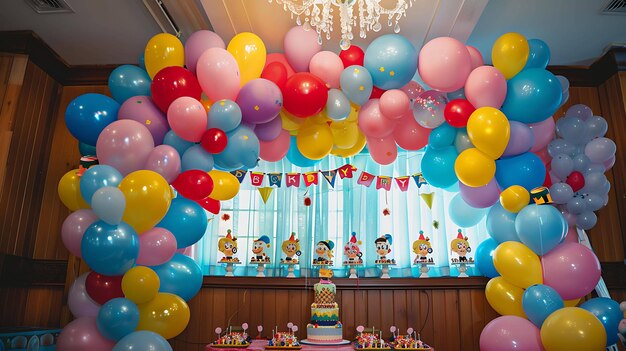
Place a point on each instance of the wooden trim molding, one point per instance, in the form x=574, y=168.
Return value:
x=602, y=69
x=27, y=272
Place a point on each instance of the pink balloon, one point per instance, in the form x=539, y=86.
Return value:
x=300, y=47
x=275, y=150
x=82, y=334
x=544, y=133
x=412, y=89
x=74, y=227
x=444, y=64
x=394, y=104
x=188, y=118
x=570, y=218
x=328, y=67
x=218, y=74
x=79, y=302
x=571, y=269
x=572, y=235
x=383, y=150
x=409, y=134
x=544, y=156
x=156, y=246
x=144, y=111
x=187, y=251
x=164, y=160
x=510, y=333
x=276, y=57
x=481, y=197
x=485, y=86
x=197, y=44
x=124, y=144
x=475, y=56
x=372, y=122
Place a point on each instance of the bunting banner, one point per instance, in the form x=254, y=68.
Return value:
x=365, y=179
x=275, y=179
x=346, y=170
x=419, y=179
x=428, y=199
x=310, y=178
x=239, y=174
x=330, y=177
x=256, y=178
x=292, y=179
x=383, y=182
x=403, y=183
x=265, y=193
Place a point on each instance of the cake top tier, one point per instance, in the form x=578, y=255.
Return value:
x=325, y=292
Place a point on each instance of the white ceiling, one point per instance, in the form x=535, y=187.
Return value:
x=115, y=31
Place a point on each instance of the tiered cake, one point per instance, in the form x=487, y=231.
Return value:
x=325, y=327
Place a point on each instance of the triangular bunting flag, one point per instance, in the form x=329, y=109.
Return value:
x=428, y=199
x=275, y=179
x=310, y=178
x=383, y=182
x=365, y=179
x=265, y=193
x=419, y=179
x=256, y=178
x=330, y=177
x=239, y=174
x=403, y=182
x=292, y=179
x=346, y=170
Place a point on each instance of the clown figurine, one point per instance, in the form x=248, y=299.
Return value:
x=352, y=251
x=461, y=247
x=383, y=248
x=422, y=248
x=257, y=249
x=324, y=252
x=228, y=246
x=291, y=248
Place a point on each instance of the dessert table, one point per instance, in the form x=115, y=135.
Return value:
x=259, y=345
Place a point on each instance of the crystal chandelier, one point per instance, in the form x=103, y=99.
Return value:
x=319, y=15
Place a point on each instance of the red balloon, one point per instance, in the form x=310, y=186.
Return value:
x=548, y=181
x=210, y=205
x=377, y=92
x=193, y=184
x=277, y=73
x=576, y=180
x=214, y=140
x=170, y=83
x=457, y=112
x=102, y=288
x=354, y=55
x=304, y=95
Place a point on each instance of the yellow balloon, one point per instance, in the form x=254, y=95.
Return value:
x=571, y=303
x=69, y=191
x=315, y=141
x=290, y=122
x=319, y=118
x=167, y=315
x=225, y=185
x=573, y=328
x=518, y=264
x=354, y=113
x=489, y=130
x=514, y=198
x=504, y=297
x=509, y=54
x=148, y=197
x=358, y=147
x=249, y=52
x=345, y=134
x=163, y=50
x=140, y=284
x=474, y=168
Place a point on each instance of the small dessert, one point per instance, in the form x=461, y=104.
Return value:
x=411, y=341
x=284, y=340
x=231, y=339
x=370, y=341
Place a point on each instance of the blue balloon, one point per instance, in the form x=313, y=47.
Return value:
x=87, y=115
x=180, y=276
x=356, y=82
x=442, y=136
x=501, y=224
x=109, y=204
x=526, y=170
x=196, y=157
x=609, y=314
x=457, y=94
x=539, y=54
x=337, y=106
x=86, y=150
x=142, y=61
x=181, y=145
x=532, y=96
x=294, y=156
x=484, y=258
x=224, y=115
x=110, y=249
x=539, y=301
x=243, y=146
x=463, y=214
x=391, y=60
x=117, y=318
x=143, y=340
x=97, y=177
x=127, y=81
x=186, y=220
x=438, y=166
x=540, y=227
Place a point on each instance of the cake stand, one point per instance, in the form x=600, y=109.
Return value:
x=385, y=269
x=260, y=268
x=463, y=268
x=424, y=268
x=230, y=267
x=307, y=342
x=322, y=265
x=353, y=267
x=291, y=268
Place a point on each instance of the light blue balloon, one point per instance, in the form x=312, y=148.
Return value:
x=540, y=227
x=532, y=96
x=457, y=94
x=117, y=318
x=97, y=177
x=501, y=224
x=224, y=162
x=609, y=314
x=463, y=214
x=127, y=81
x=356, y=82
x=225, y=115
x=186, y=219
x=438, y=166
x=110, y=249
x=243, y=146
x=539, y=301
x=142, y=61
x=295, y=157
x=197, y=158
x=391, y=60
x=181, y=145
x=538, y=55
x=484, y=258
x=526, y=170
x=442, y=136
x=143, y=340
x=180, y=276
x=88, y=115
x=109, y=204
x=337, y=106
x=86, y=150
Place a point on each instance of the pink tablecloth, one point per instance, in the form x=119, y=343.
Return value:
x=259, y=345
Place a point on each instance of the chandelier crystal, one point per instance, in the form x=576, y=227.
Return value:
x=319, y=14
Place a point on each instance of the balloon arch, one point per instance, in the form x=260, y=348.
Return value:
x=189, y=114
